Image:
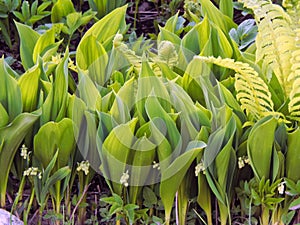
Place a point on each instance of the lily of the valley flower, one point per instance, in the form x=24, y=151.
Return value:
x=199, y=168
x=280, y=188
x=156, y=165
x=83, y=166
x=242, y=161
x=33, y=171
x=24, y=152
x=124, y=179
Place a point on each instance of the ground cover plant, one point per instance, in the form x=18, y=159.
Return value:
x=198, y=125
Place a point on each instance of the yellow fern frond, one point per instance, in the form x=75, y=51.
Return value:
x=252, y=92
x=275, y=40
x=294, y=104
x=292, y=7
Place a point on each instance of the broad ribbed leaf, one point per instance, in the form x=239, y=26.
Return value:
x=260, y=146
x=4, y=118
x=28, y=39
x=88, y=92
x=29, y=85
x=293, y=155
x=11, y=137
x=44, y=42
x=10, y=94
x=174, y=174
x=217, y=17
x=155, y=110
x=55, y=106
x=52, y=137
x=116, y=153
x=105, y=29
x=143, y=151
x=92, y=56
x=61, y=9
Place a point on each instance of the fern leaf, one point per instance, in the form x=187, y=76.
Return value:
x=252, y=92
x=294, y=104
x=127, y=53
x=275, y=40
x=292, y=7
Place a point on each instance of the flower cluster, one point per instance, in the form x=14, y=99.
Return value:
x=199, y=168
x=33, y=171
x=124, y=179
x=83, y=166
x=280, y=188
x=72, y=66
x=156, y=165
x=24, y=152
x=242, y=161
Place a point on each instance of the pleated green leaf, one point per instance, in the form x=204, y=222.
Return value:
x=105, y=29
x=11, y=137
x=92, y=56
x=28, y=39
x=52, y=137
x=217, y=17
x=143, y=151
x=43, y=44
x=174, y=174
x=260, y=146
x=116, y=153
x=29, y=85
x=55, y=105
x=293, y=155
x=10, y=94
x=61, y=9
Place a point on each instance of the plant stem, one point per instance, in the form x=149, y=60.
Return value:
x=223, y=213
x=19, y=194
x=136, y=10
x=26, y=212
x=58, y=197
x=118, y=222
x=265, y=215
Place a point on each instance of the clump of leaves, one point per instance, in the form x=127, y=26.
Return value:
x=120, y=209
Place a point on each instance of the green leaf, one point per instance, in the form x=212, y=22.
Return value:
x=143, y=151
x=43, y=43
x=57, y=176
x=61, y=9
x=11, y=137
x=226, y=7
x=260, y=146
x=19, y=16
x=217, y=17
x=25, y=10
x=29, y=85
x=88, y=92
x=52, y=137
x=116, y=153
x=4, y=118
x=293, y=155
x=105, y=29
x=166, y=35
x=55, y=105
x=28, y=39
x=174, y=174
x=94, y=61
x=149, y=197
x=10, y=94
